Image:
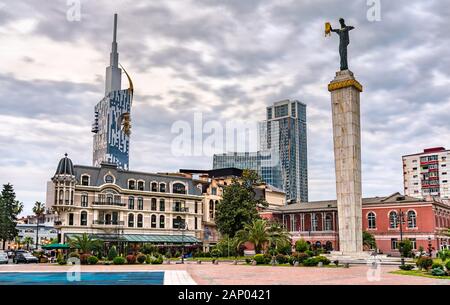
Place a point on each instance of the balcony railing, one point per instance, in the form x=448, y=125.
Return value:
x=108, y=223
x=119, y=204
x=180, y=210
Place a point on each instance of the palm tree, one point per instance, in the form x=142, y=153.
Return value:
x=38, y=210
x=278, y=237
x=85, y=243
x=18, y=240
x=28, y=240
x=256, y=232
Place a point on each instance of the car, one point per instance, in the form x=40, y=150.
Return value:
x=25, y=257
x=3, y=258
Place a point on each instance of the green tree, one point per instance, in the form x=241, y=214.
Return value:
x=112, y=253
x=301, y=246
x=369, y=240
x=38, y=210
x=406, y=248
x=85, y=243
x=256, y=232
x=278, y=237
x=27, y=241
x=239, y=205
x=229, y=246
x=10, y=208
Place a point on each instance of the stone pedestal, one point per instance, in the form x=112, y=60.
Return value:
x=345, y=90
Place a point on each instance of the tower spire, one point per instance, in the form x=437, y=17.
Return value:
x=113, y=72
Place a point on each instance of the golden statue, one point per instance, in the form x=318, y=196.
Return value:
x=327, y=29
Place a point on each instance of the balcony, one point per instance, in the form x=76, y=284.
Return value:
x=180, y=210
x=108, y=223
x=103, y=203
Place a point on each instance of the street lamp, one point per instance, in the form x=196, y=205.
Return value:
x=183, y=227
x=400, y=220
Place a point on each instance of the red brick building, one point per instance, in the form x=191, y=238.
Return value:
x=425, y=221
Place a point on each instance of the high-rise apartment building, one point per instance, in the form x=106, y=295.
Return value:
x=427, y=173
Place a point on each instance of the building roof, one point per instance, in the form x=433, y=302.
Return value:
x=65, y=167
x=216, y=173
x=428, y=151
x=153, y=238
x=395, y=198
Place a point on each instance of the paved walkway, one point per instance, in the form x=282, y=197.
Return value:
x=225, y=273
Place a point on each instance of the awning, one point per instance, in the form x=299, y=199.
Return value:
x=142, y=238
x=55, y=246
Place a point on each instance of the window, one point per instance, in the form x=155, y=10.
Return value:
x=130, y=220
x=131, y=203
x=162, y=187
x=153, y=204
x=412, y=222
x=109, y=179
x=371, y=219
x=85, y=180
x=393, y=223
x=178, y=223
x=162, y=205
x=162, y=221
x=211, y=209
x=394, y=243
x=328, y=222
x=153, y=221
x=154, y=187
x=140, y=221
x=413, y=243
x=314, y=222
x=83, y=218
x=140, y=203
x=140, y=185
x=131, y=184
x=195, y=222
x=179, y=188
x=196, y=207
x=292, y=218
x=214, y=191
x=84, y=200
x=70, y=219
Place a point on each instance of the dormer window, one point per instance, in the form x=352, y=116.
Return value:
x=131, y=184
x=179, y=188
x=84, y=180
x=162, y=187
x=109, y=179
x=140, y=185
x=154, y=187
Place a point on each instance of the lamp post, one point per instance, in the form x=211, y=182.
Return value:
x=182, y=227
x=400, y=219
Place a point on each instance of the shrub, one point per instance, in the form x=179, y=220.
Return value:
x=323, y=259
x=248, y=260
x=282, y=259
x=112, y=253
x=285, y=249
x=301, y=245
x=444, y=255
x=118, y=260
x=141, y=258
x=311, y=261
x=292, y=260
x=92, y=260
x=259, y=259
x=406, y=267
x=437, y=265
x=158, y=260
x=74, y=254
x=215, y=253
x=438, y=272
x=84, y=258
x=149, y=249
x=273, y=252
x=424, y=262
x=309, y=253
x=131, y=259
x=60, y=259
x=406, y=248
x=447, y=265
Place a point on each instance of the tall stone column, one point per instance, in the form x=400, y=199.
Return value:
x=345, y=90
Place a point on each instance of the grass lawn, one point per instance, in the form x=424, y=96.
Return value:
x=419, y=273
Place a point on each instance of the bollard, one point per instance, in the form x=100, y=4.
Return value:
x=199, y=262
x=235, y=262
x=346, y=265
x=320, y=264
x=296, y=264
x=253, y=263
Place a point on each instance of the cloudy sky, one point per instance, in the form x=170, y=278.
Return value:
x=226, y=59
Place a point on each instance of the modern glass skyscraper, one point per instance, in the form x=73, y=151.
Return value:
x=282, y=157
x=111, y=126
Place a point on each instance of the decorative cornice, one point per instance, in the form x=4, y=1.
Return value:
x=344, y=84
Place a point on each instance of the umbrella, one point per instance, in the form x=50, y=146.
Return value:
x=55, y=246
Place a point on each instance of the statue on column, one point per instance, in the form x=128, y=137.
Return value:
x=344, y=40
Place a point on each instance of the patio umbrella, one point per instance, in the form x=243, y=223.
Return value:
x=55, y=246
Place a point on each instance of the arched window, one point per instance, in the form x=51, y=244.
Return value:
x=153, y=221
x=314, y=222
x=130, y=220
x=140, y=203
x=140, y=185
x=162, y=187
x=162, y=205
x=83, y=218
x=140, y=221
x=131, y=203
x=393, y=220
x=412, y=221
x=131, y=184
x=179, y=188
x=153, y=205
x=154, y=187
x=371, y=220
x=328, y=222
x=162, y=221
x=211, y=209
x=84, y=180
x=109, y=179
